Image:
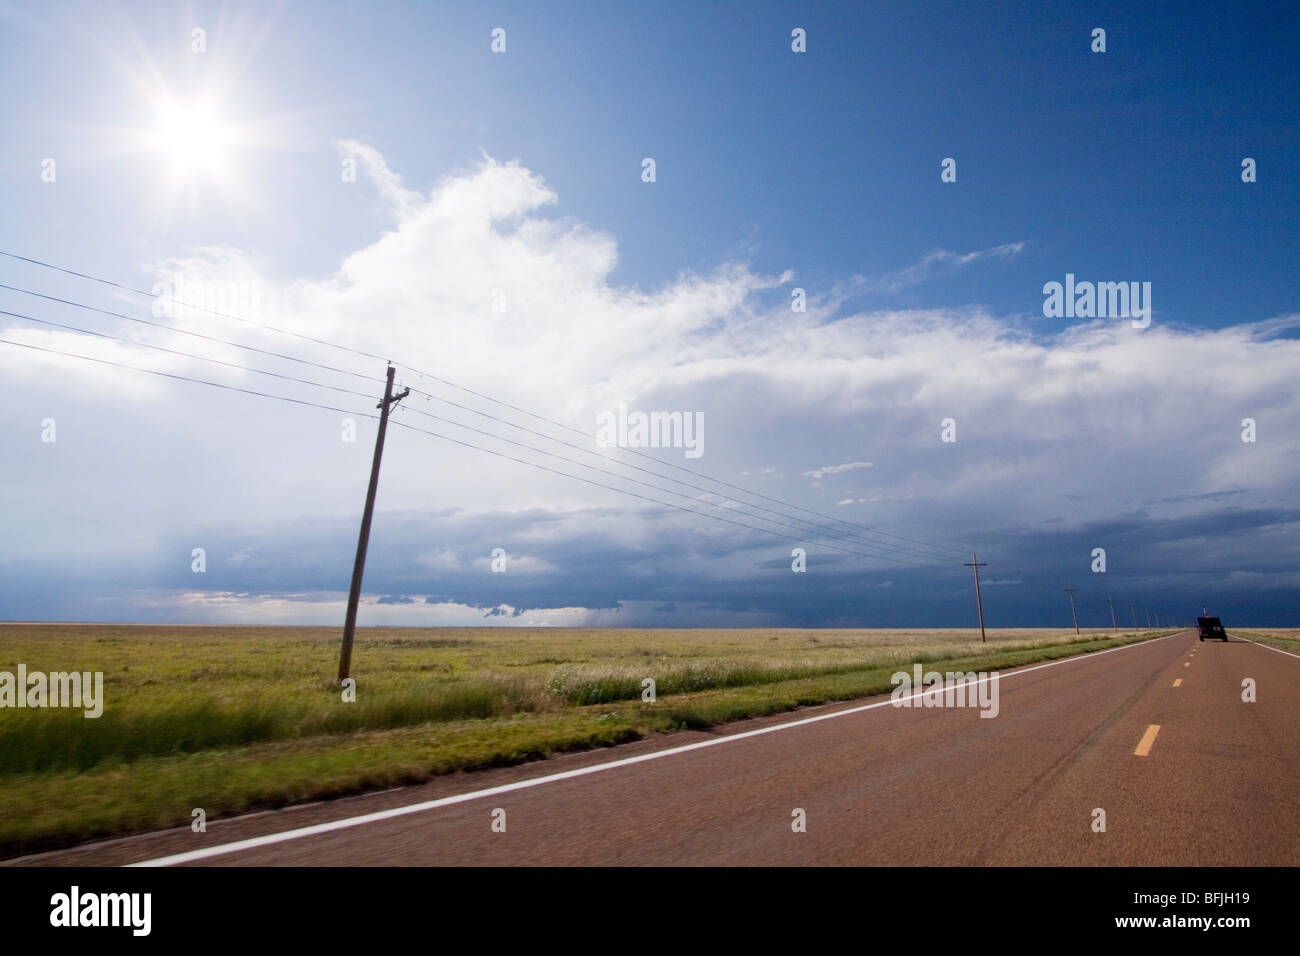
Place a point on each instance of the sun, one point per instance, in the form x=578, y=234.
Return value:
x=197, y=135
x=193, y=139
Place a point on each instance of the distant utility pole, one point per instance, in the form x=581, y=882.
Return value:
x=1112, y=615
x=975, y=563
x=1134, y=611
x=1157, y=614
x=1148, y=614
x=354, y=596
x=1073, y=612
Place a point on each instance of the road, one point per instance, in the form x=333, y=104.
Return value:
x=1186, y=773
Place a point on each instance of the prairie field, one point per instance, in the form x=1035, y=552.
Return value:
x=232, y=719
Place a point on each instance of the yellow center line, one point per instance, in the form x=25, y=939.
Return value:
x=1178, y=682
x=1149, y=738
x=1188, y=664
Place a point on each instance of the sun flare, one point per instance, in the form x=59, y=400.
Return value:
x=193, y=138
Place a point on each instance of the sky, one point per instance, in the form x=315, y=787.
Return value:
x=834, y=262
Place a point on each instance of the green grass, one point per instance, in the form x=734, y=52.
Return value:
x=235, y=719
x=1285, y=639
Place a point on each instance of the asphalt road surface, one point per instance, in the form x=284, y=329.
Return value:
x=1156, y=735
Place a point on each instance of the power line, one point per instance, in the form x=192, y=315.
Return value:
x=637, y=481
x=632, y=451
x=182, y=378
x=200, y=335
x=297, y=401
x=634, y=494
x=541, y=451
x=943, y=550
x=734, y=487
x=190, y=355
x=881, y=545
x=821, y=529
x=224, y=315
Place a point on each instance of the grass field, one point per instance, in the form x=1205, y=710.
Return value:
x=238, y=718
x=1284, y=638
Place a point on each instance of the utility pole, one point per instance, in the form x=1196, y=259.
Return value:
x=354, y=595
x=1113, y=625
x=1073, y=612
x=1157, y=613
x=1148, y=614
x=1134, y=611
x=975, y=563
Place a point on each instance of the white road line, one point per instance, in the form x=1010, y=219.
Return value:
x=1268, y=647
x=319, y=828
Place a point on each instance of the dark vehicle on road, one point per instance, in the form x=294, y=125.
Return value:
x=1211, y=628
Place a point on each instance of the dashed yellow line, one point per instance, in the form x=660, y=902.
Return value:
x=1178, y=682
x=1187, y=664
x=1149, y=738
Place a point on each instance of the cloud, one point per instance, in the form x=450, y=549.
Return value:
x=1095, y=429
x=933, y=264
x=818, y=474
x=377, y=170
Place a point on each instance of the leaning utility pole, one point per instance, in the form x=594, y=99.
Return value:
x=1112, y=615
x=1073, y=612
x=1148, y=614
x=975, y=563
x=1134, y=611
x=354, y=595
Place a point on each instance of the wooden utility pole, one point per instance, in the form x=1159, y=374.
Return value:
x=1073, y=613
x=1134, y=611
x=975, y=563
x=1113, y=625
x=354, y=595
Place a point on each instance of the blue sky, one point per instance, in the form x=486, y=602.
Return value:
x=521, y=171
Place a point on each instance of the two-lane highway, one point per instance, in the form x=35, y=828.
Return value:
x=1154, y=738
